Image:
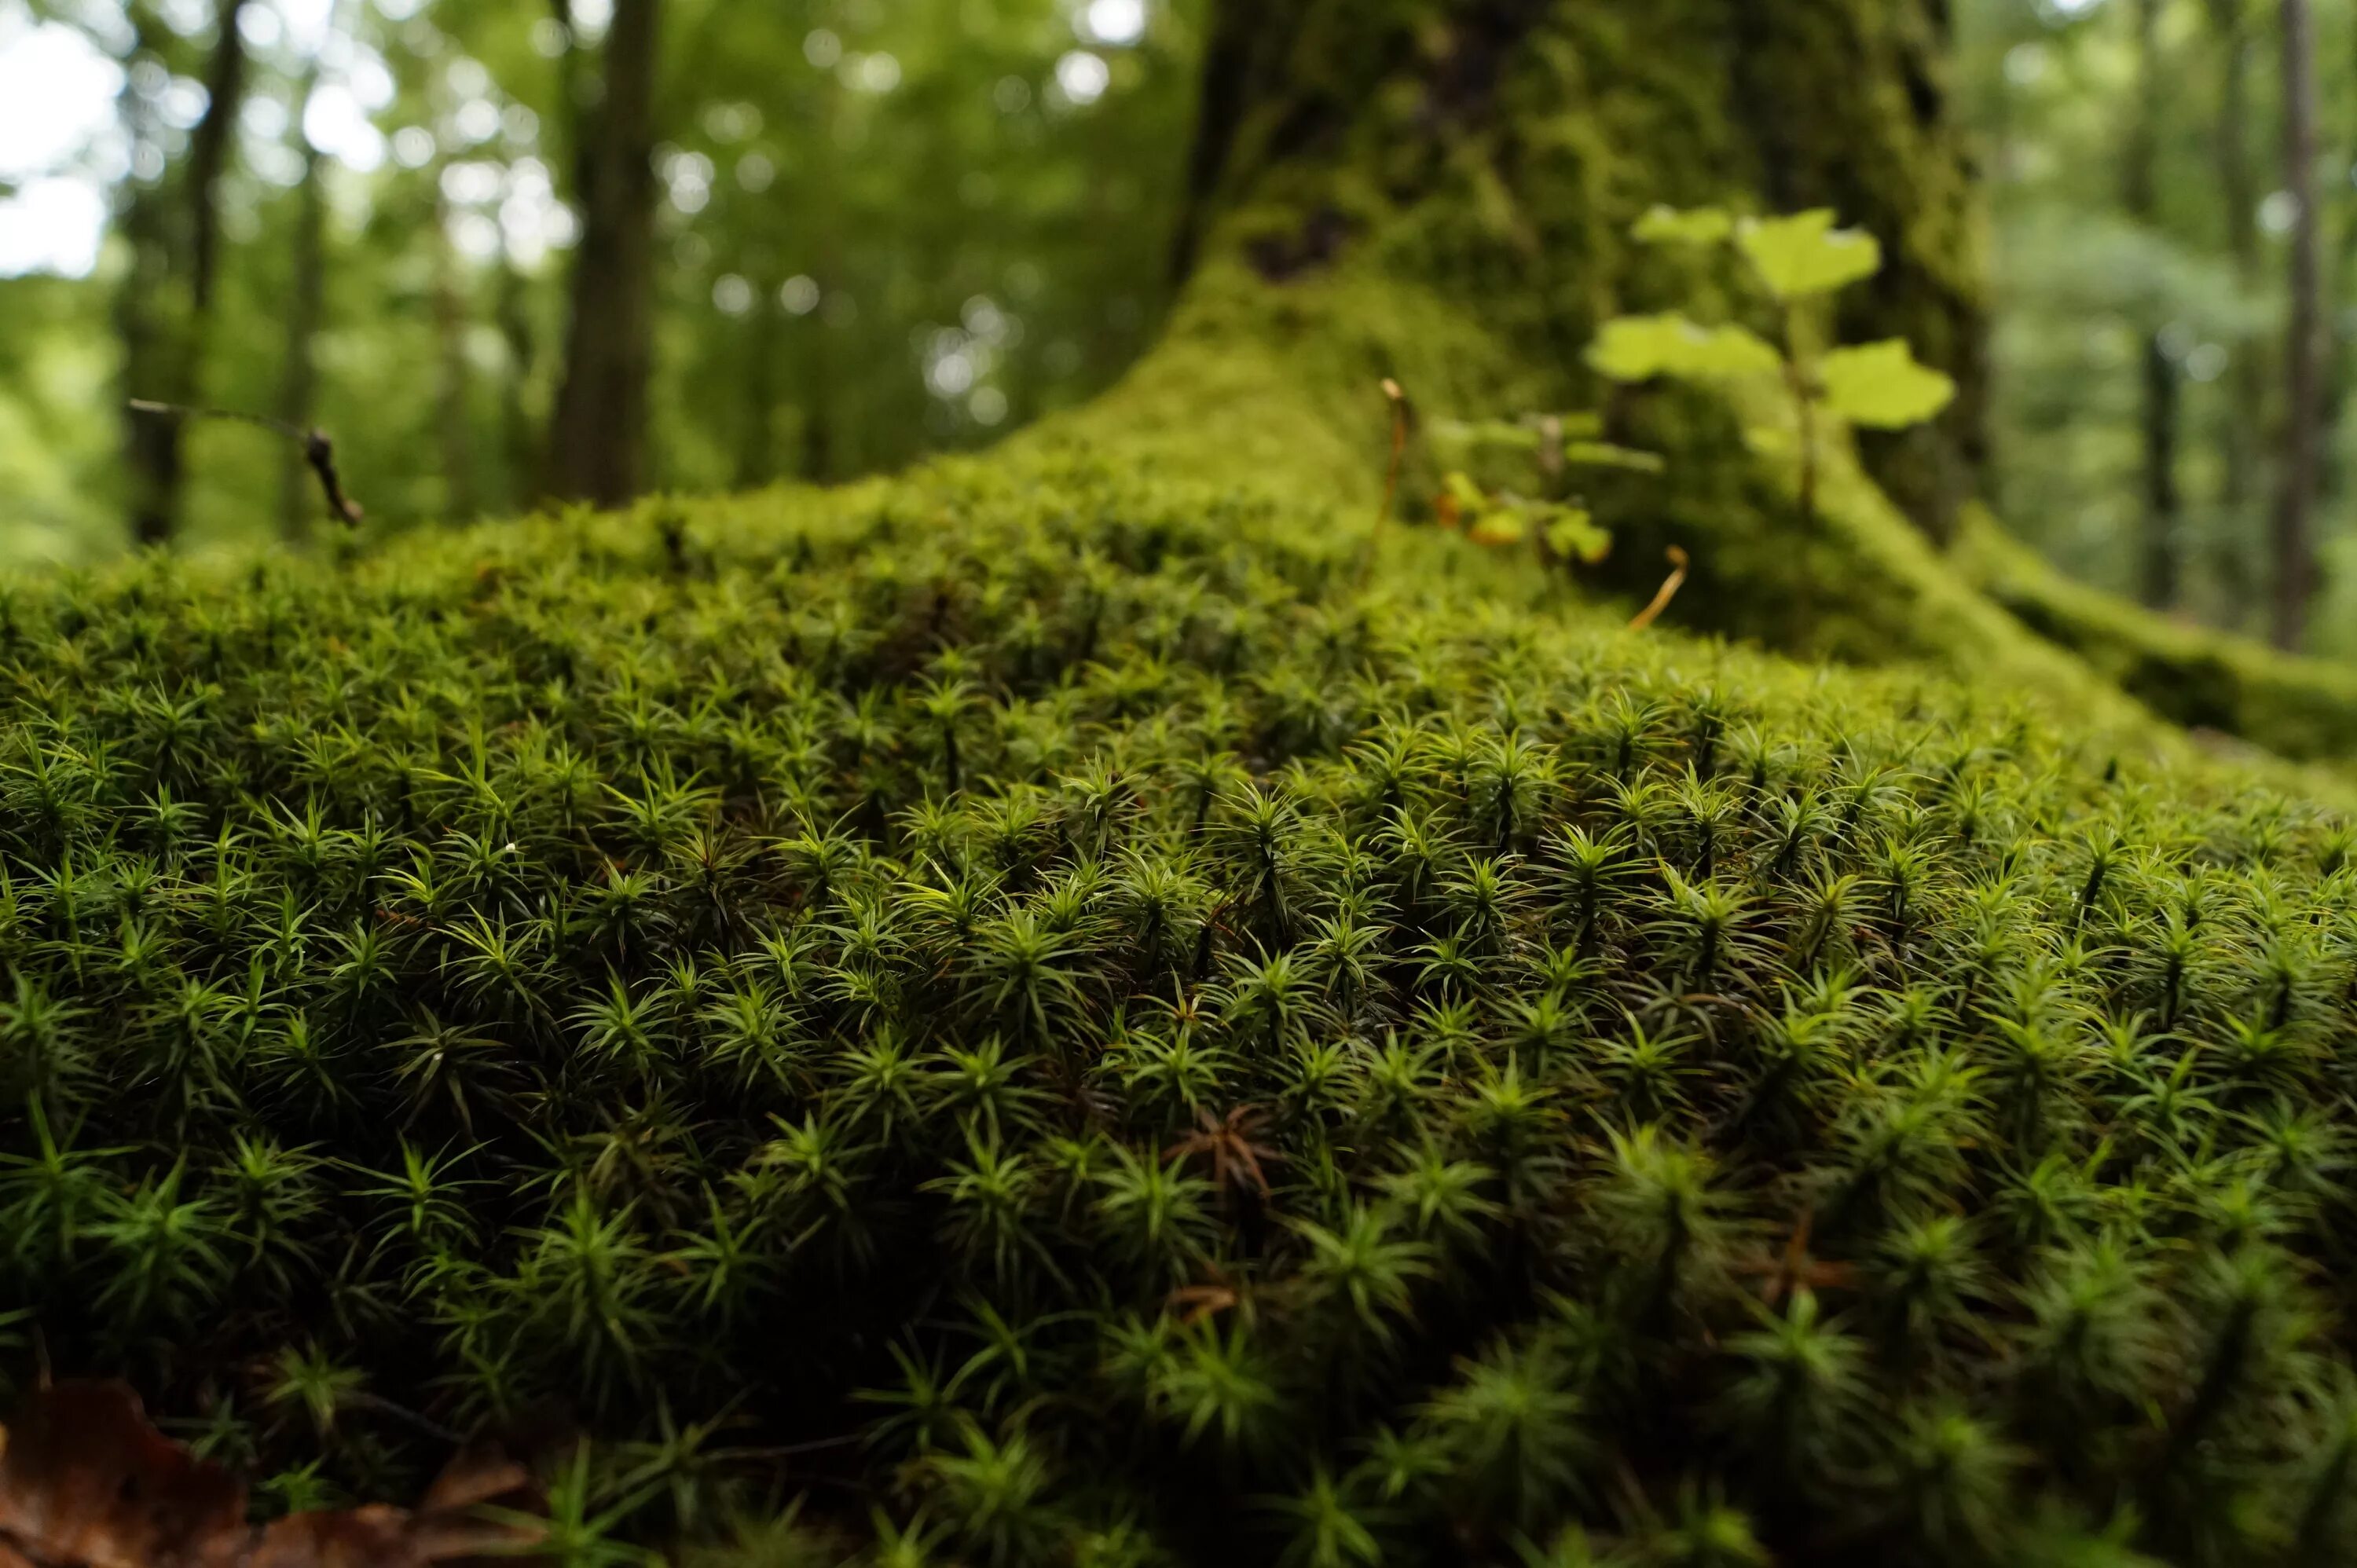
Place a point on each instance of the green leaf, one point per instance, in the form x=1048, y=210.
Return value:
x=1804, y=256
x=1470, y=497
x=1571, y=531
x=1882, y=386
x=1702, y=226
x=1500, y=525
x=1639, y=348
x=1488, y=433
x=1604, y=455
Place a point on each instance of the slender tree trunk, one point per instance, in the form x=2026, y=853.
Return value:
x=209, y=150
x=164, y=344
x=2238, y=194
x=2295, y=546
x=146, y=315
x=757, y=459
x=306, y=311
x=2157, y=573
x=519, y=444
x=597, y=447
x=453, y=424
x=819, y=450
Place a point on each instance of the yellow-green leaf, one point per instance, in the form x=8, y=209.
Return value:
x=1804, y=256
x=1501, y=525
x=1881, y=385
x=1639, y=348
x=1702, y=226
x=1603, y=455
x=1488, y=433
x=1571, y=531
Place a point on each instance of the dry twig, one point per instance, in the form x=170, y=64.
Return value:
x=317, y=449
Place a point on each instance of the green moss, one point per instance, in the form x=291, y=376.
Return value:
x=2301, y=708
x=1092, y=1022
x=1067, y=1010
x=1473, y=173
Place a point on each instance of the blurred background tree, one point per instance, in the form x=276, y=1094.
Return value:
x=821, y=238
x=2175, y=251
x=865, y=231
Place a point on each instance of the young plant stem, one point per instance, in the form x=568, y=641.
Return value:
x=1398, y=400
x=1668, y=591
x=1804, y=405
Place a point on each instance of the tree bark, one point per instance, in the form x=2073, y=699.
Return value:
x=1494, y=154
x=209, y=150
x=2238, y=194
x=1442, y=192
x=2293, y=542
x=164, y=339
x=757, y=447
x=598, y=445
x=2158, y=574
x=518, y=441
x=453, y=424
x=146, y=318
x=306, y=311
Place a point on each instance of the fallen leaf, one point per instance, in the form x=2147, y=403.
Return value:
x=87, y=1481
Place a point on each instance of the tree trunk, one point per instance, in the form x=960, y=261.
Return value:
x=1491, y=157
x=1442, y=192
x=2157, y=555
x=520, y=443
x=209, y=150
x=598, y=446
x=305, y=310
x=147, y=314
x=164, y=340
x=2294, y=547
x=757, y=447
x=2238, y=194
x=454, y=426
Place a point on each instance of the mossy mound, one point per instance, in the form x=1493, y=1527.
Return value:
x=1040, y=1012
x=2300, y=708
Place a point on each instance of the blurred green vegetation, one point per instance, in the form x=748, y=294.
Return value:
x=890, y=230
x=2059, y=92
x=884, y=230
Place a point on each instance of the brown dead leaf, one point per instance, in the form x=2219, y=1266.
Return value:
x=86, y=1481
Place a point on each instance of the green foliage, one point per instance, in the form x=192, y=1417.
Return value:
x=1794, y=261
x=1881, y=387
x=1639, y=348
x=1563, y=530
x=1803, y=256
x=1129, y=1042
x=880, y=229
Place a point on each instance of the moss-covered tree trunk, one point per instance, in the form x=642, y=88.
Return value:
x=1521, y=137
x=1443, y=190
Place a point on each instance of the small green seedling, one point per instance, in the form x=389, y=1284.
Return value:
x=1798, y=262
x=1550, y=445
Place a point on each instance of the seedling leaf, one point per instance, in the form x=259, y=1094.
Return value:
x=1883, y=387
x=1701, y=226
x=1804, y=256
x=1604, y=455
x=1571, y=531
x=1640, y=347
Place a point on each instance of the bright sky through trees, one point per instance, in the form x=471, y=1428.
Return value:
x=60, y=145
